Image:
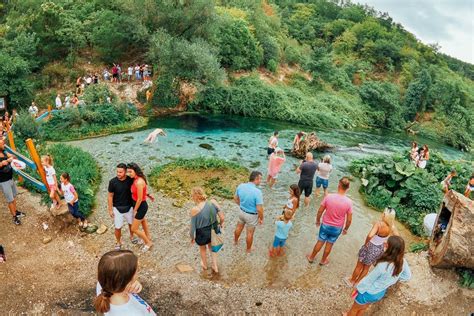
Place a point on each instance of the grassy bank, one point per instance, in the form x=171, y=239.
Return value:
x=413, y=192
x=83, y=169
x=218, y=177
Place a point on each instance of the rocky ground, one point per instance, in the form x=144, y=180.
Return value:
x=42, y=277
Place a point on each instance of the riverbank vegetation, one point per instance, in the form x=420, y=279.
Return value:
x=83, y=169
x=218, y=178
x=351, y=66
x=97, y=117
x=413, y=192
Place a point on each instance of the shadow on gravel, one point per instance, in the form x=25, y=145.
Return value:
x=171, y=303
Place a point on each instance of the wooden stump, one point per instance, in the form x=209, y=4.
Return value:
x=453, y=247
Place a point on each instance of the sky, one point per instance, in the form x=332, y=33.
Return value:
x=450, y=23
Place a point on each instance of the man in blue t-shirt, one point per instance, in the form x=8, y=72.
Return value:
x=250, y=200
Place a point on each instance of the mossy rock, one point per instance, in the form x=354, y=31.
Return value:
x=206, y=146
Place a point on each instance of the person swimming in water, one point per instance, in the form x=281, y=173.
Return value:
x=152, y=136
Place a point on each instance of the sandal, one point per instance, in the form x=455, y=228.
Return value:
x=135, y=240
x=309, y=260
x=347, y=282
x=146, y=248
x=325, y=263
x=118, y=247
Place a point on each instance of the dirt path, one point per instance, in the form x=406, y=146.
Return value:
x=59, y=277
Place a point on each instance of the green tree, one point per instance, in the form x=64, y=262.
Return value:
x=14, y=83
x=238, y=48
x=417, y=94
x=320, y=64
x=383, y=98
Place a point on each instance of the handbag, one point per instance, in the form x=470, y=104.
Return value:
x=217, y=237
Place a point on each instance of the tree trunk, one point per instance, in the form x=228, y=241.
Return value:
x=453, y=246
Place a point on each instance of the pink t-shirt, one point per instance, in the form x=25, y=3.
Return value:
x=274, y=164
x=337, y=207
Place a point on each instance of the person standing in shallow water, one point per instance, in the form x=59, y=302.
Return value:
x=272, y=143
x=322, y=178
x=203, y=220
x=275, y=162
x=389, y=269
x=140, y=207
x=117, y=287
x=307, y=169
x=337, y=209
x=250, y=200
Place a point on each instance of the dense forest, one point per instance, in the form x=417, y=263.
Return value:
x=343, y=65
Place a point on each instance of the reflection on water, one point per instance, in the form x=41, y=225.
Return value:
x=244, y=141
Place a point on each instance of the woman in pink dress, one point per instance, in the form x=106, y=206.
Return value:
x=275, y=163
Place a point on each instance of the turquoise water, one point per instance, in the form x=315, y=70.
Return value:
x=244, y=140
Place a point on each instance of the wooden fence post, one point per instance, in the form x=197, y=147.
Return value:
x=36, y=158
x=11, y=142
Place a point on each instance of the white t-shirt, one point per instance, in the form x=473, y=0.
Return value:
x=273, y=142
x=68, y=190
x=50, y=174
x=135, y=306
x=130, y=70
x=324, y=169
x=59, y=103
x=33, y=109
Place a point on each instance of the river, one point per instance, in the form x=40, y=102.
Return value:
x=244, y=140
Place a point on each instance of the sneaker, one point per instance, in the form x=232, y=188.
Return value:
x=20, y=214
x=16, y=220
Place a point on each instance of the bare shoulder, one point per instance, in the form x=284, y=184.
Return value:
x=194, y=211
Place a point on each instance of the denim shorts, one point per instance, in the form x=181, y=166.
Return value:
x=329, y=233
x=366, y=298
x=322, y=182
x=278, y=242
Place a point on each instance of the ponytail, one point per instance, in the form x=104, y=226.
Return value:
x=102, y=302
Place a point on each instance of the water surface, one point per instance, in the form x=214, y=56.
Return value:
x=244, y=141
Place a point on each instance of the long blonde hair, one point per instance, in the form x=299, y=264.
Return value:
x=48, y=159
x=389, y=217
x=199, y=193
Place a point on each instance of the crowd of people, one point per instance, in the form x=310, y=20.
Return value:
x=118, y=287
x=138, y=72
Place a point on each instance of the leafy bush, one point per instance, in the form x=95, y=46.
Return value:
x=166, y=94
x=466, y=278
x=97, y=94
x=83, y=169
x=90, y=120
x=238, y=47
x=383, y=98
x=25, y=127
x=395, y=181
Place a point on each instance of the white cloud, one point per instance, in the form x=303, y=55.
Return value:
x=450, y=23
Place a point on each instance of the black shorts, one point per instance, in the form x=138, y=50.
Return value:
x=270, y=151
x=142, y=209
x=203, y=235
x=306, y=187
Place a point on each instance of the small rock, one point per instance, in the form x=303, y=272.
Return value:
x=45, y=226
x=47, y=239
x=258, y=304
x=184, y=268
x=102, y=229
